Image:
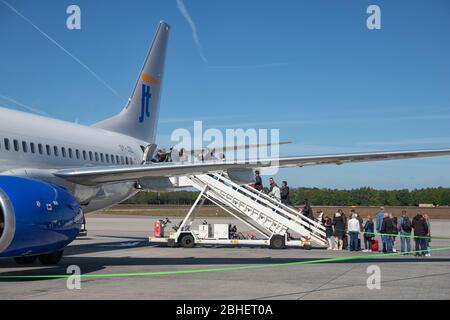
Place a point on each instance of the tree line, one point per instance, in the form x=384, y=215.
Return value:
x=365, y=196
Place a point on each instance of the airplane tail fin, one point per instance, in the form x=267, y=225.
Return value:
x=140, y=116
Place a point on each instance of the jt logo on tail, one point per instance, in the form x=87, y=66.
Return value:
x=145, y=102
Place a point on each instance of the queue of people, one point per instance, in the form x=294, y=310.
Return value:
x=344, y=232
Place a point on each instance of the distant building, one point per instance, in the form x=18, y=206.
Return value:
x=426, y=205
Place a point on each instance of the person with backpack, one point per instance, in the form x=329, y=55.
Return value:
x=405, y=228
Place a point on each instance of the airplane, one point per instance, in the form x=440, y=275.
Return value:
x=52, y=172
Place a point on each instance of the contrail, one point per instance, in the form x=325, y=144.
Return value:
x=190, y=21
x=64, y=50
x=31, y=109
x=185, y=14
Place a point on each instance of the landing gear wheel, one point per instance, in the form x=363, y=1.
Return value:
x=187, y=241
x=25, y=260
x=277, y=242
x=51, y=258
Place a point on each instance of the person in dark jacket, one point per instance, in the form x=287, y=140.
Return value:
x=285, y=193
x=307, y=210
x=368, y=234
x=339, y=229
x=258, y=181
x=328, y=231
x=387, y=230
x=345, y=237
x=420, y=227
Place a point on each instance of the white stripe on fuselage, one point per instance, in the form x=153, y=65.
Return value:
x=30, y=128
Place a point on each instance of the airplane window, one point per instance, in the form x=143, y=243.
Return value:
x=63, y=152
x=55, y=150
x=32, y=148
x=102, y=159
x=84, y=155
x=90, y=156
x=112, y=158
x=6, y=143
x=126, y=160
x=107, y=158
x=24, y=146
x=96, y=156
x=48, y=149
x=122, y=160
x=40, y=148
x=70, y=153
x=117, y=160
x=77, y=153
x=16, y=145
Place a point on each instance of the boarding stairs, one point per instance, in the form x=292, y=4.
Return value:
x=258, y=210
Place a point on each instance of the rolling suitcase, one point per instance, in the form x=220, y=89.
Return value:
x=375, y=245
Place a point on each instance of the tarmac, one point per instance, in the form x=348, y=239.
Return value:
x=118, y=246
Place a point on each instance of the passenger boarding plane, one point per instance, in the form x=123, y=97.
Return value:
x=52, y=171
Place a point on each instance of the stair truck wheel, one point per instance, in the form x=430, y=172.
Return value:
x=51, y=258
x=277, y=242
x=25, y=260
x=187, y=241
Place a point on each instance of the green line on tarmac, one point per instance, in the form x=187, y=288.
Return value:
x=187, y=271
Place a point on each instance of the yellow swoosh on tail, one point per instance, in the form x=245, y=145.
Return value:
x=148, y=78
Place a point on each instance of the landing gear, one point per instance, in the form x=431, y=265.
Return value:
x=25, y=260
x=51, y=258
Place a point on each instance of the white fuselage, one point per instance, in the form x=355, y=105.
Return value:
x=32, y=145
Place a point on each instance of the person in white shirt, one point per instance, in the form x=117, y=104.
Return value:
x=320, y=217
x=275, y=190
x=353, y=228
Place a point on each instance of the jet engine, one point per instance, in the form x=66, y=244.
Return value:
x=37, y=219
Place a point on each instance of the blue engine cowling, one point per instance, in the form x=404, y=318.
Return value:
x=36, y=217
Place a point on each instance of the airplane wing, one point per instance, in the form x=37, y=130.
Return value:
x=104, y=174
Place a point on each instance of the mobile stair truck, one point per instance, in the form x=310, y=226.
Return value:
x=278, y=225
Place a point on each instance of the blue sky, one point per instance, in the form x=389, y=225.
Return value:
x=310, y=68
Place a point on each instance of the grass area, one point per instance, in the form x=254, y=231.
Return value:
x=213, y=211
